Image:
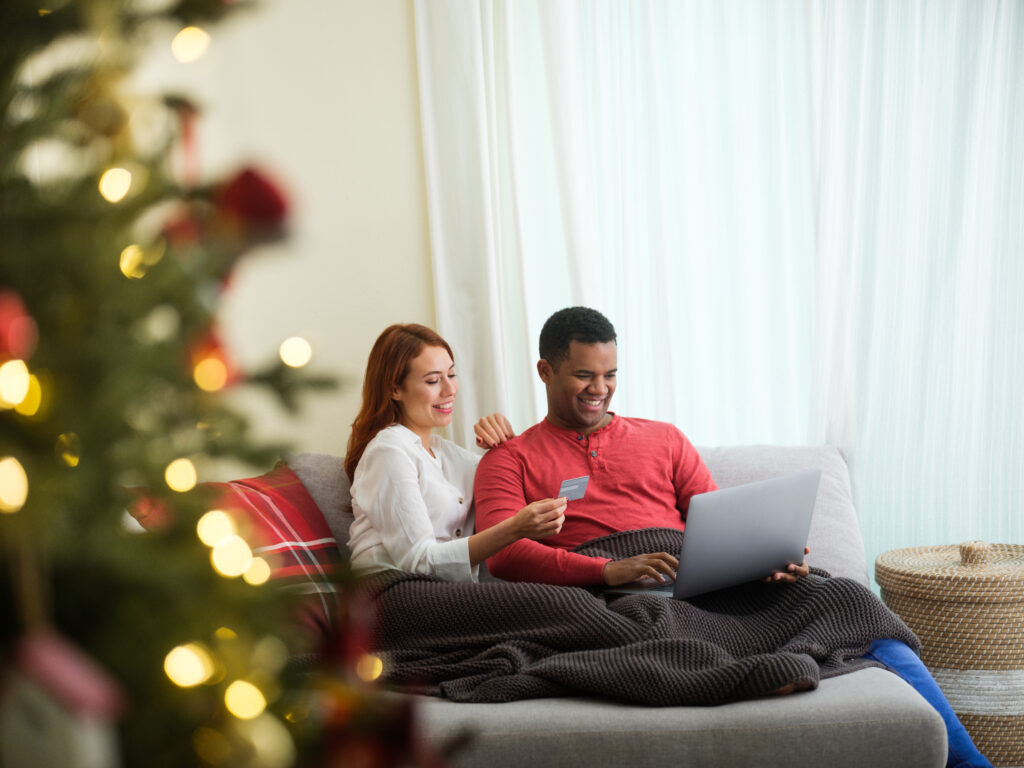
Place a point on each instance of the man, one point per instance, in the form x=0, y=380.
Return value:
x=642, y=473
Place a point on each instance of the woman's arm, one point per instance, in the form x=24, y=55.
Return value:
x=534, y=521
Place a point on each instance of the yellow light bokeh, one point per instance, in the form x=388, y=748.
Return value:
x=210, y=374
x=115, y=184
x=189, y=44
x=15, y=381
x=33, y=399
x=258, y=572
x=214, y=526
x=226, y=633
x=231, y=556
x=272, y=743
x=13, y=485
x=244, y=700
x=131, y=262
x=369, y=667
x=69, y=449
x=212, y=746
x=189, y=665
x=181, y=475
x=296, y=352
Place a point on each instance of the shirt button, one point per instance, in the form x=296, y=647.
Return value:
x=579, y=437
x=593, y=453
x=460, y=499
x=458, y=531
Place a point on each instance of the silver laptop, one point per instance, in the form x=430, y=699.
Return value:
x=740, y=534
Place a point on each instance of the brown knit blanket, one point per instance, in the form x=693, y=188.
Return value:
x=501, y=641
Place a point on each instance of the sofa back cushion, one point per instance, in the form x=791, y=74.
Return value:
x=835, y=538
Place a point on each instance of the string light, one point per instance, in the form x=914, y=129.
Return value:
x=258, y=572
x=189, y=665
x=296, y=352
x=189, y=44
x=369, y=667
x=33, y=400
x=210, y=374
x=131, y=262
x=212, y=746
x=180, y=475
x=214, y=526
x=115, y=184
x=271, y=742
x=14, y=383
x=244, y=700
x=13, y=485
x=69, y=449
x=231, y=556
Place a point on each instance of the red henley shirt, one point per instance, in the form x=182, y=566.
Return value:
x=642, y=475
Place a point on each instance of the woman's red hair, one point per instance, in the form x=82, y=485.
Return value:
x=389, y=362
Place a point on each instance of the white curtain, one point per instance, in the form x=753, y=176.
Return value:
x=806, y=221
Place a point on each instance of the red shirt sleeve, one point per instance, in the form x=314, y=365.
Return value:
x=498, y=493
x=691, y=475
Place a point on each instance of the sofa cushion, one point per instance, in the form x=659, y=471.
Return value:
x=835, y=539
x=282, y=523
x=324, y=477
x=870, y=717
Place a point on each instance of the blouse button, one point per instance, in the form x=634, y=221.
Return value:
x=460, y=499
x=593, y=453
x=579, y=437
x=458, y=531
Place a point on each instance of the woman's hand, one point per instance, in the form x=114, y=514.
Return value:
x=540, y=519
x=493, y=430
x=792, y=572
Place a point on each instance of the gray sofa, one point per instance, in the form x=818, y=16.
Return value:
x=866, y=718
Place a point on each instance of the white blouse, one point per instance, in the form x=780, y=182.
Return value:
x=413, y=511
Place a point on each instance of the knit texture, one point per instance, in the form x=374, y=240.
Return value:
x=503, y=641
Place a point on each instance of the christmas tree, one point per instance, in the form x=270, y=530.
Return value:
x=113, y=395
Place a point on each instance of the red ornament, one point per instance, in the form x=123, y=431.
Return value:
x=18, y=331
x=252, y=203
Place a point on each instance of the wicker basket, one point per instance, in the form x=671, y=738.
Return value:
x=966, y=604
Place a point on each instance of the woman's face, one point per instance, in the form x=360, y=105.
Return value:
x=426, y=397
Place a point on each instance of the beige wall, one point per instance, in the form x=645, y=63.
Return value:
x=323, y=94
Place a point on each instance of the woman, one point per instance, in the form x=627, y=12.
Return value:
x=412, y=490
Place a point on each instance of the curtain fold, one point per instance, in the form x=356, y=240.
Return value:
x=806, y=221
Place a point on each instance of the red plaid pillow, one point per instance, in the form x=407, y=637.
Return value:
x=284, y=525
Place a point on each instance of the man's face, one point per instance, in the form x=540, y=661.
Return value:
x=580, y=390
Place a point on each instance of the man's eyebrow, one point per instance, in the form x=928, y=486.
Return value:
x=587, y=370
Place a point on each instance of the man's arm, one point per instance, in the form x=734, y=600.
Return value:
x=499, y=492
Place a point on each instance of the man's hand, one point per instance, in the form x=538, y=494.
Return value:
x=792, y=572
x=540, y=519
x=493, y=430
x=660, y=566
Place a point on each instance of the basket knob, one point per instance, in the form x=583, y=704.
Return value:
x=974, y=552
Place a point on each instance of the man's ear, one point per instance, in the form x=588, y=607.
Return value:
x=544, y=370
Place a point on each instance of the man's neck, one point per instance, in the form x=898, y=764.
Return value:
x=585, y=431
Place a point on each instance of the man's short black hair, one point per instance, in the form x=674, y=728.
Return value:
x=573, y=324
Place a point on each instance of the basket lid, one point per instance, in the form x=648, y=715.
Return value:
x=974, y=570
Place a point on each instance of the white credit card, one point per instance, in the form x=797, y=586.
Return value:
x=574, y=489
